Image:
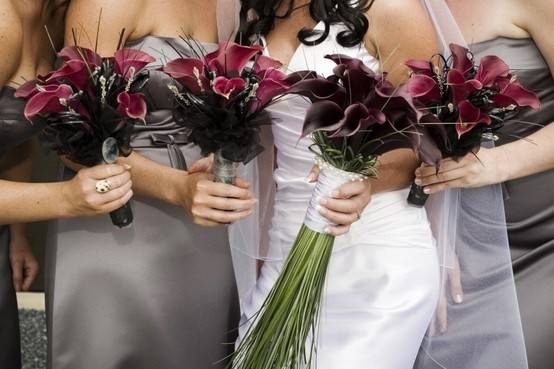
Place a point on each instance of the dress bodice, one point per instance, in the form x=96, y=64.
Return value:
x=294, y=159
x=14, y=127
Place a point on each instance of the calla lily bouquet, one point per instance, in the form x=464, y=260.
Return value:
x=221, y=97
x=462, y=104
x=355, y=116
x=89, y=105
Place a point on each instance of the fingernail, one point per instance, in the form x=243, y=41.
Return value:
x=321, y=210
x=335, y=194
x=127, y=166
x=323, y=201
x=418, y=182
x=327, y=230
x=427, y=191
x=458, y=299
x=443, y=330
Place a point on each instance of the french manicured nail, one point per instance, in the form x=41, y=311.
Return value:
x=335, y=194
x=323, y=201
x=458, y=299
x=418, y=181
x=427, y=191
x=127, y=166
x=328, y=230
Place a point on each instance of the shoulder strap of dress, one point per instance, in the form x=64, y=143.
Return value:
x=446, y=27
x=228, y=19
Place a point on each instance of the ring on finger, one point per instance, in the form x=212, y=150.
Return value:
x=103, y=186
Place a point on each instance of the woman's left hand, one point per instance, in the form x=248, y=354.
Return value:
x=346, y=204
x=23, y=263
x=473, y=170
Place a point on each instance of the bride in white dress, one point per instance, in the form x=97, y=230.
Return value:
x=383, y=279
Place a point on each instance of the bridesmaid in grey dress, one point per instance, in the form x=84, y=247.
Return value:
x=27, y=52
x=525, y=166
x=160, y=294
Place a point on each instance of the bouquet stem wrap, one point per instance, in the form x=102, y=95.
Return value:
x=283, y=334
x=122, y=217
x=417, y=197
x=225, y=171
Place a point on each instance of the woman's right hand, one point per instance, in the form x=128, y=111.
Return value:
x=81, y=197
x=212, y=204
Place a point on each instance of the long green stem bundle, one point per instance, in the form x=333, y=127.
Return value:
x=283, y=334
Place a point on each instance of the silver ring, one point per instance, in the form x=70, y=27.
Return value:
x=103, y=186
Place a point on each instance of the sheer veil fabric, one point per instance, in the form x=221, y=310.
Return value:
x=484, y=332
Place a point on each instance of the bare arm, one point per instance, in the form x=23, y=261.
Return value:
x=538, y=155
x=399, y=30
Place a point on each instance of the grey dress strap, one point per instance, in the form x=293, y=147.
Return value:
x=228, y=19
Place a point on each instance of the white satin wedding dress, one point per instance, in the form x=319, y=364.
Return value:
x=383, y=279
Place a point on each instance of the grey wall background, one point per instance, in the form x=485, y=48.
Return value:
x=45, y=168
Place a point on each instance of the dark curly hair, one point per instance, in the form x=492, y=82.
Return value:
x=350, y=13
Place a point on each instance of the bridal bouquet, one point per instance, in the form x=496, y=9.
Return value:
x=463, y=102
x=88, y=107
x=222, y=101
x=354, y=112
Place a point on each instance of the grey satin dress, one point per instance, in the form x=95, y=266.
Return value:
x=14, y=130
x=158, y=295
x=529, y=203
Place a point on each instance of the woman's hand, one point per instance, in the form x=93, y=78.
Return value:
x=439, y=325
x=473, y=170
x=81, y=197
x=23, y=263
x=210, y=203
x=346, y=204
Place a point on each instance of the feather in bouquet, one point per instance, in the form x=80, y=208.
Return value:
x=463, y=103
x=354, y=113
x=222, y=101
x=88, y=107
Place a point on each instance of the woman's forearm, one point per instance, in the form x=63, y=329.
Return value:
x=29, y=202
x=21, y=201
x=396, y=171
x=155, y=180
x=528, y=156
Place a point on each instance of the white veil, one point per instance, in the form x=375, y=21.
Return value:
x=249, y=238
x=484, y=331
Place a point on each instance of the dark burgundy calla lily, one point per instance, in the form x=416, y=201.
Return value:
x=85, y=55
x=190, y=73
x=470, y=116
x=461, y=60
x=27, y=90
x=355, y=76
x=264, y=63
x=49, y=99
x=132, y=105
x=424, y=88
x=129, y=62
x=76, y=72
x=227, y=87
x=230, y=58
x=518, y=94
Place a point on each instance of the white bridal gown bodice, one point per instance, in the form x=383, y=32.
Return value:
x=383, y=279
